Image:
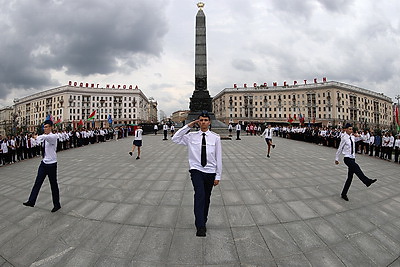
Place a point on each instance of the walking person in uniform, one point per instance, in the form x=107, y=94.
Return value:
x=205, y=165
x=348, y=149
x=268, y=138
x=48, y=167
x=137, y=142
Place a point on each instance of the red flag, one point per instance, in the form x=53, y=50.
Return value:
x=58, y=121
x=80, y=123
x=397, y=115
x=91, y=116
x=290, y=120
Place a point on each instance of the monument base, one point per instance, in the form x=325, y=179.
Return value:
x=214, y=122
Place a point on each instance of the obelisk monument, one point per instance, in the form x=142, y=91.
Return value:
x=200, y=99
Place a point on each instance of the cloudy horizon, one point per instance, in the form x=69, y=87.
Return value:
x=47, y=43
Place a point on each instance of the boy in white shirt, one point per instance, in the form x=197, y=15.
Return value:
x=348, y=149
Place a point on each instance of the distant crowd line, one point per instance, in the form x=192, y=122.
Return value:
x=381, y=144
x=15, y=148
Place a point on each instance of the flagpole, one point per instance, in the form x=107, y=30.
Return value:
x=398, y=110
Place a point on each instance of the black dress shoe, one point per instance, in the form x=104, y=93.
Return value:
x=201, y=231
x=137, y=157
x=371, y=182
x=56, y=208
x=345, y=197
x=130, y=153
x=28, y=204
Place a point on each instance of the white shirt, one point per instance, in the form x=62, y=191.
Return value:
x=12, y=144
x=267, y=133
x=193, y=141
x=172, y=128
x=238, y=127
x=397, y=143
x=371, y=140
x=345, y=146
x=165, y=127
x=366, y=138
x=138, y=134
x=50, y=155
x=4, y=148
x=385, y=141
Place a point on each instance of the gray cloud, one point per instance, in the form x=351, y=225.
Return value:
x=152, y=43
x=82, y=37
x=337, y=5
x=244, y=64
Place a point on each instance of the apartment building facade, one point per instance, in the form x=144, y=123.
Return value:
x=327, y=103
x=74, y=103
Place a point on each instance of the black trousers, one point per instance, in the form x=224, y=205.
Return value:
x=237, y=134
x=51, y=171
x=165, y=134
x=202, y=184
x=396, y=154
x=353, y=169
x=377, y=150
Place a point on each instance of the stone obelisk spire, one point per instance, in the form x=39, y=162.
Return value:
x=200, y=99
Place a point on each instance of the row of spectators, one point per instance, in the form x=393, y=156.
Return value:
x=24, y=146
x=379, y=144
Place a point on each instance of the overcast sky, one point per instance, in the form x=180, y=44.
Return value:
x=150, y=43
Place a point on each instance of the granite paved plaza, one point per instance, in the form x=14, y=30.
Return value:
x=282, y=211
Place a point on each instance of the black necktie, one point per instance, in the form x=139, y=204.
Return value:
x=351, y=141
x=43, y=148
x=203, y=151
x=137, y=133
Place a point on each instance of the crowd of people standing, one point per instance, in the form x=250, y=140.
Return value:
x=15, y=148
x=381, y=144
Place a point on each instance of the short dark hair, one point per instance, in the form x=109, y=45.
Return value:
x=347, y=125
x=49, y=122
x=204, y=113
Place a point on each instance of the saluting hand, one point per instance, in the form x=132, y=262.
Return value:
x=191, y=124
